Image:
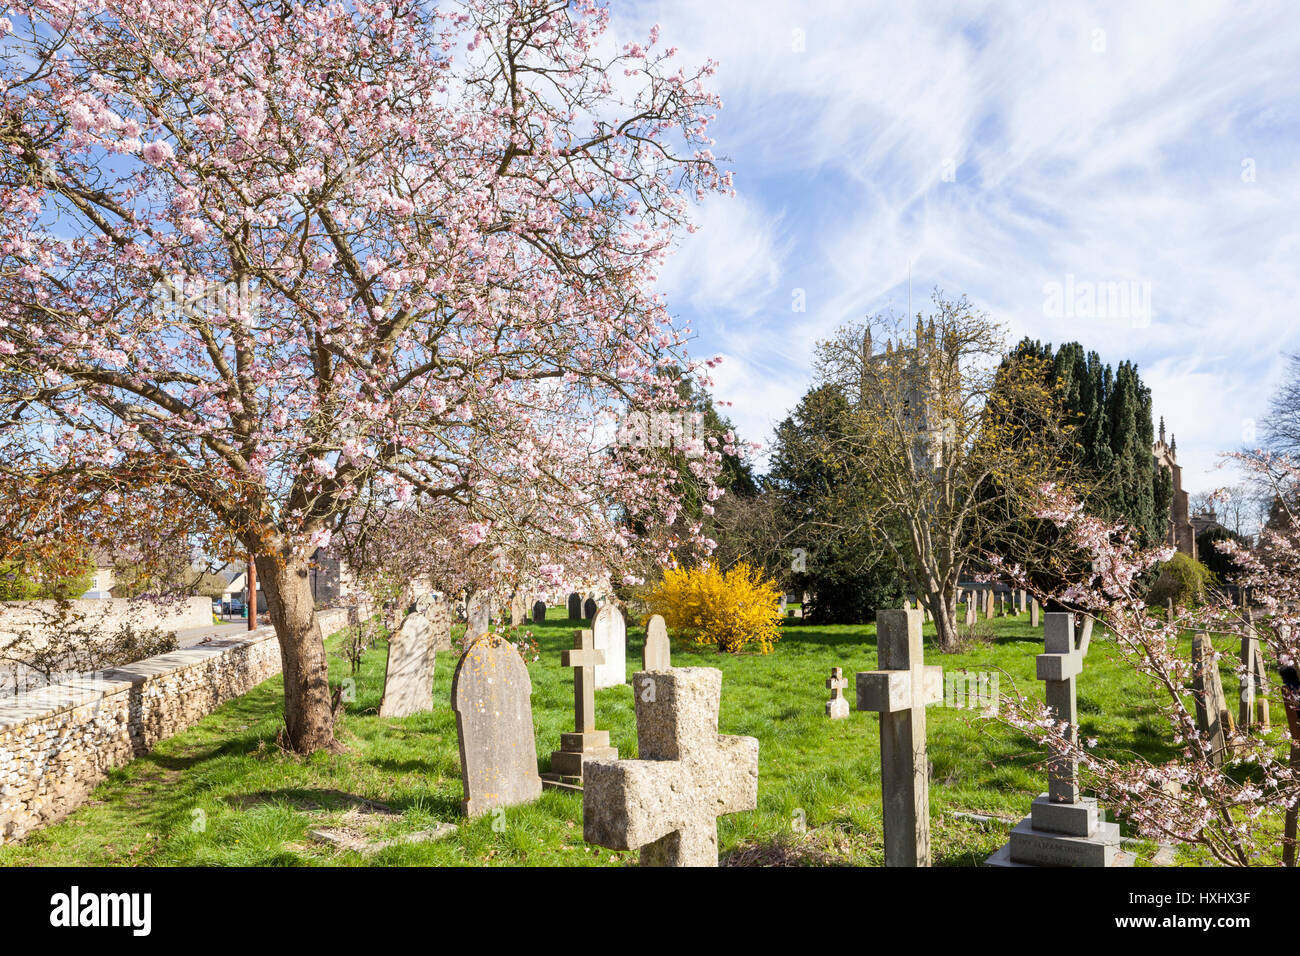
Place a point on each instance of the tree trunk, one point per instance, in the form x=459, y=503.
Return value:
x=308, y=718
x=943, y=607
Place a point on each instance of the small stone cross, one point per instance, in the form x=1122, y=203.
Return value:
x=837, y=706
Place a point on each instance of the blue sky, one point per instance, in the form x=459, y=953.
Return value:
x=999, y=148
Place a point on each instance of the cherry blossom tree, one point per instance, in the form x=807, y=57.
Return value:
x=1231, y=807
x=289, y=257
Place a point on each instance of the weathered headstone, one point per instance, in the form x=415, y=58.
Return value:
x=589, y=609
x=586, y=742
x=988, y=601
x=408, y=678
x=478, y=616
x=575, y=606
x=438, y=614
x=518, y=608
x=1034, y=611
x=666, y=803
x=899, y=691
x=491, y=694
x=1023, y=599
x=1253, y=710
x=539, y=612
x=656, y=655
x=1212, y=715
x=837, y=707
x=1063, y=828
x=611, y=638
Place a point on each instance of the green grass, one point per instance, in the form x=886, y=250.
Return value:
x=223, y=794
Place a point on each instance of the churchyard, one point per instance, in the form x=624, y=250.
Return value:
x=224, y=793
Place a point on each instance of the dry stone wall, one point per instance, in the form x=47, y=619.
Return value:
x=58, y=742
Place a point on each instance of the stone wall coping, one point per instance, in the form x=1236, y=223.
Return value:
x=54, y=699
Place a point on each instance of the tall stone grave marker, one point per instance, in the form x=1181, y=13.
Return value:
x=491, y=694
x=518, y=608
x=1063, y=828
x=539, y=612
x=586, y=742
x=1034, y=611
x=1253, y=711
x=575, y=606
x=900, y=691
x=1212, y=715
x=408, y=678
x=589, y=608
x=611, y=639
x=478, y=616
x=656, y=655
x=666, y=803
x=438, y=614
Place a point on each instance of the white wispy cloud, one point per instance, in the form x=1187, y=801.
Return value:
x=1108, y=141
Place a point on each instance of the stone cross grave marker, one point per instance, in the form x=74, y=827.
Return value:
x=491, y=694
x=666, y=803
x=586, y=742
x=539, y=612
x=1212, y=715
x=611, y=638
x=837, y=707
x=1063, y=828
x=574, y=606
x=656, y=655
x=408, y=678
x=900, y=691
x=478, y=616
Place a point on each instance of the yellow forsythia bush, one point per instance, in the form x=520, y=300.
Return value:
x=731, y=610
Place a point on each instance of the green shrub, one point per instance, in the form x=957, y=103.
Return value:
x=1184, y=579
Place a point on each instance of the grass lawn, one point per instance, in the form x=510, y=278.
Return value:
x=223, y=794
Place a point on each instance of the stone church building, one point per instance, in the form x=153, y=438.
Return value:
x=1181, y=534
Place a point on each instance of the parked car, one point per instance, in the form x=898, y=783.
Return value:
x=236, y=606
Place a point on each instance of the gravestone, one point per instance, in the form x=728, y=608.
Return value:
x=491, y=694
x=1034, y=611
x=900, y=691
x=539, y=612
x=589, y=608
x=518, y=608
x=1024, y=597
x=970, y=614
x=837, y=707
x=438, y=614
x=408, y=678
x=1212, y=715
x=1063, y=827
x=575, y=606
x=988, y=602
x=1253, y=710
x=425, y=601
x=478, y=616
x=586, y=742
x=611, y=638
x=656, y=655
x=666, y=803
